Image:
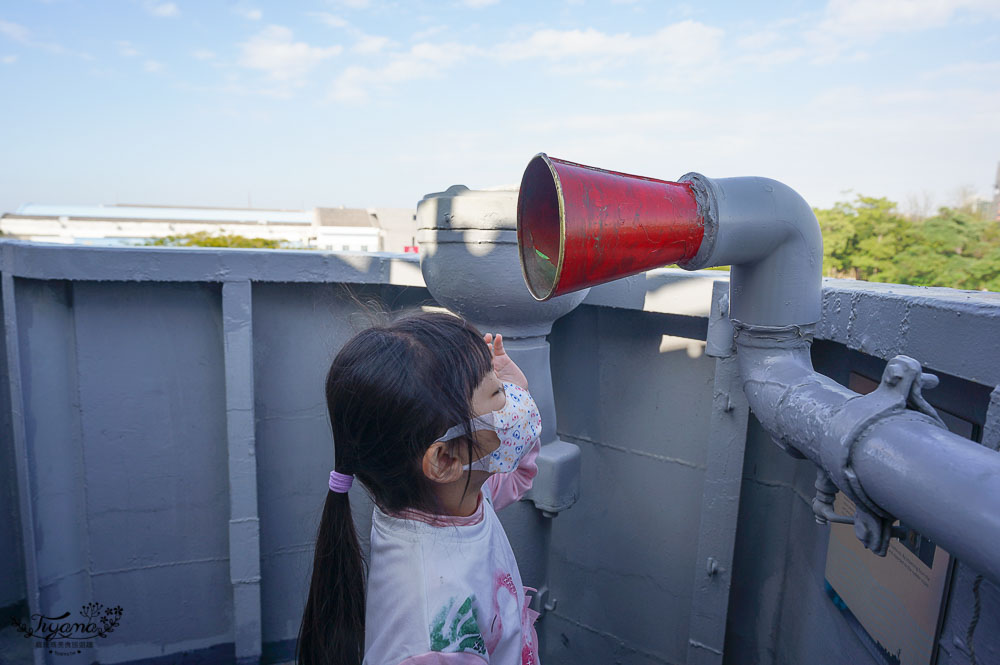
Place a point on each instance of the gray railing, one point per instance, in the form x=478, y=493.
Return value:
x=165, y=444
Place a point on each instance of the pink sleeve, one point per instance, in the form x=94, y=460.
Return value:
x=506, y=488
x=439, y=658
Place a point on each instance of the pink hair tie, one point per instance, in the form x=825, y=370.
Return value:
x=340, y=482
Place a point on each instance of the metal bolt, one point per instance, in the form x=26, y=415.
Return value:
x=711, y=566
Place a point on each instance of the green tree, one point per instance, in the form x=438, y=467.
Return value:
x=204, y=239
x=868, y=239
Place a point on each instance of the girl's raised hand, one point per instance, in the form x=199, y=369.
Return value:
x=505, y=367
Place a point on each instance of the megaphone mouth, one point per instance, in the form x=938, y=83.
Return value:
x=579, y=226
x=541, y=226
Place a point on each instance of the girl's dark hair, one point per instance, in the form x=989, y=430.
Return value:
x=392, y=390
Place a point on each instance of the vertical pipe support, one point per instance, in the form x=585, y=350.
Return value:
x=244, y=523
x=24, y=492
x=720, y=502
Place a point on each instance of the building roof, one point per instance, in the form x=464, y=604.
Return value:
x=171, y=213
x=345, y=217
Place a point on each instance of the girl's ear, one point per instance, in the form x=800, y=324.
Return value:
x=440, y=465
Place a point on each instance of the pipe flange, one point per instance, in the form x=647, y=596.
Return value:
x=708, y=208
x=901, y=385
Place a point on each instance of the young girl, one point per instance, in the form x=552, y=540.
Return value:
x=436, y=423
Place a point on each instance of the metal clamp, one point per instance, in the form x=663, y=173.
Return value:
x=901, y=387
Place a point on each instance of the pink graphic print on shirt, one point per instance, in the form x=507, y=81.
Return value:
x=503, y=586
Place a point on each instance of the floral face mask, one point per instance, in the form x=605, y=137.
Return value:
x=517, y=425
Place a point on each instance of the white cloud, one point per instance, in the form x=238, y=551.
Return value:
x=678, y=44
x=152, y=66
x=15, y=31
x=758, y=40
x=778, y=56
x=364, y=43
x=968, y=70
x=274, y=52
x=163, y=10
x=249, y=14
x=369, y=44
x=423, y=60
x=203, y=54
x=126, y=49
x=22, y=35
x=8, y=59
x=427, y=33
x=567, y=51
x=867, y=18
x=847, y=25
x=479, y=4
x=332, y=20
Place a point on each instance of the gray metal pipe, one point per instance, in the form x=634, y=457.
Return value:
x=770, y=237
x=944, y=486
x=888, y=451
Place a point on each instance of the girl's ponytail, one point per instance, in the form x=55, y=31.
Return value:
x=390, y=391
x=333, y=623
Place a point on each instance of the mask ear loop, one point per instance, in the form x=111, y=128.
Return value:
x=485, y=421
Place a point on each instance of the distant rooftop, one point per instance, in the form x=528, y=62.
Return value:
x=164, y=212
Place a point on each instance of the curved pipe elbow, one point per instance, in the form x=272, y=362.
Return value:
x=769, y=235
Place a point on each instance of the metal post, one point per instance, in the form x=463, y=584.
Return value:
x=24, y=492
x=244, y=524
x=720, y=503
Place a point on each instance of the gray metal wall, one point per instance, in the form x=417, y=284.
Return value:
x=124, y=450
x=623, y=557
x=11, y=563
x=121, y=377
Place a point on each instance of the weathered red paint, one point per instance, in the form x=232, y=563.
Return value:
x=578, y=226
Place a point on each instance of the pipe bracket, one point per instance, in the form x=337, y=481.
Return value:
x=900, y=387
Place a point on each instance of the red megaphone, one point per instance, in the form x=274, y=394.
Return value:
x=578, y=226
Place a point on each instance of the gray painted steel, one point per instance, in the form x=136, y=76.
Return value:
x=244, y=524
x=720, y=500
x=935, y=325
x=133, y=360
x=20, y=446
x=638, y=405
x=204, y=264
x=770, y=237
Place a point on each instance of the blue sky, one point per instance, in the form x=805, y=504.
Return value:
x=377, y=102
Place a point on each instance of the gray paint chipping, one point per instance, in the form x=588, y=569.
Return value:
x=124, y=406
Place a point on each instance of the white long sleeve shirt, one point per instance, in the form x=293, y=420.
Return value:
x=446, y=590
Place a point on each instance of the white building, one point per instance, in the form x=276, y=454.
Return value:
x=353, y=229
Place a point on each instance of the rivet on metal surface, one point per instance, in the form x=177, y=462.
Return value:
x=711, y=566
